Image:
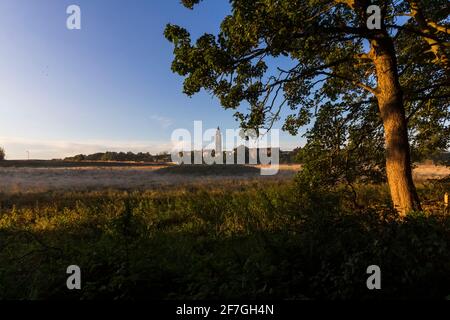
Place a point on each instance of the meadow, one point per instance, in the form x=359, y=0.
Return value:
x=235, y=238
x=34, y=176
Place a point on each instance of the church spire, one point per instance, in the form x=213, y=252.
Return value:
x=218, y=141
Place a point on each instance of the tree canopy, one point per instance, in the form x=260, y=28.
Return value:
x=340, y=67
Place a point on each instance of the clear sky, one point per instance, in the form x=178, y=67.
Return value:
x=105, y=87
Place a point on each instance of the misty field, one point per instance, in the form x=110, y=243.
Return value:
x=127, y=176
x=211, y=236
x=35, y=176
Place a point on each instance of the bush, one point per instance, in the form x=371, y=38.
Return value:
x=2, y=154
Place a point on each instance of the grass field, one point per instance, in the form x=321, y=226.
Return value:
x=42, y=176
x=126, y=176
x=211, y=236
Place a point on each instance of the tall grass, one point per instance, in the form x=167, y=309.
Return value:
x=261, y=240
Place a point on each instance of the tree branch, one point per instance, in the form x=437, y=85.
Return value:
x=435, y=45
x=438, y=27
x=374, y=91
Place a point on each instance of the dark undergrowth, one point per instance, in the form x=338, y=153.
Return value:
x=260, y=241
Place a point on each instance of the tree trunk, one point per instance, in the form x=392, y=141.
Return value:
x=390, y=101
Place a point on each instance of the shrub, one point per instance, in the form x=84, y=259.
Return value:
x=2, y=154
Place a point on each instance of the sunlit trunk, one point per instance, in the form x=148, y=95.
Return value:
x=390, y=101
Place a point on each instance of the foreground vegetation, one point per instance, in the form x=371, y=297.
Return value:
x=259, y=240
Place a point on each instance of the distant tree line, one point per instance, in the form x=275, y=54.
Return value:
x=442, y=158
x=122, y=156
x=2, y=154
x=285, y=156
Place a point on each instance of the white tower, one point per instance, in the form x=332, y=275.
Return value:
x=218, y=142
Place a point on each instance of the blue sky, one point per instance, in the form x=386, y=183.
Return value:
x=105, y=87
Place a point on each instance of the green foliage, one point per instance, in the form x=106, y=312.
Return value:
x=305, y=56
x=337, y=151
x=266, y=241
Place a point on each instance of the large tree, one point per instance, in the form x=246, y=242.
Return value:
x=401, y=69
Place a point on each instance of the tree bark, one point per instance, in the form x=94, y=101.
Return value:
x=390, y=101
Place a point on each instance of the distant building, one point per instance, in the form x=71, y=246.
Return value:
x=218, y=141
